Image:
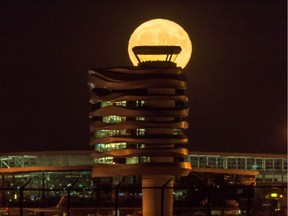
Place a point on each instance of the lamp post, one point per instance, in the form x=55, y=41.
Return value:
x=21, y=195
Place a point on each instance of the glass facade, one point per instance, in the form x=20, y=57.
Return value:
x=64, y=169
x=271, y=168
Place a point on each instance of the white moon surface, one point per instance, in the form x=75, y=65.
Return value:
x=161, y=32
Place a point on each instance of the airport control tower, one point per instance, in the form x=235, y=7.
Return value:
x=137, y=123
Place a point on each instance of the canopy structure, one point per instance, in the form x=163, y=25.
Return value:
x=156, y=53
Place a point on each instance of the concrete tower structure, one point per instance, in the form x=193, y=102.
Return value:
x=137, y=124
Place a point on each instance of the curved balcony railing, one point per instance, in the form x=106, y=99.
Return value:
x=137, y=121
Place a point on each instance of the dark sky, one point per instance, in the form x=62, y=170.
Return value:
x=236, y=77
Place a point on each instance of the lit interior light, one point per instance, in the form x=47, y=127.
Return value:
x=160, y=33
x=274, y=195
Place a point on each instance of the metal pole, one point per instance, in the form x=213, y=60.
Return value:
x=209, y=200
x=43, y=186
x=162, y=196
x=69, y=196
x=116, y=196
x=250, y=189
x=3, y=192
x=21, y=196
x=248, y=201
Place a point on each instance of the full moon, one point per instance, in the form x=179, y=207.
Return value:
x=161, y=32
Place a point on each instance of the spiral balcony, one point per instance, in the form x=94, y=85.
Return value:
x=138, y=119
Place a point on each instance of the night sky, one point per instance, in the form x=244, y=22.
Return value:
x=236, y=77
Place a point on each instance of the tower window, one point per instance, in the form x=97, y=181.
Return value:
x=111, y=103
x=140, y=131
x=140, y=103
x=107, y=133
x=114, y=119
x=110, y=147
x=104, y=160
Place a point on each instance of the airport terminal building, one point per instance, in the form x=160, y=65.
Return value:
x=272, y=168
x=56, y=170
x=49, y=175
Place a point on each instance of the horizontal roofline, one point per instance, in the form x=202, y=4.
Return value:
x=244, y=154
x=83, y=152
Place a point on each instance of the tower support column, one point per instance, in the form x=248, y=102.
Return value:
x=157, y=195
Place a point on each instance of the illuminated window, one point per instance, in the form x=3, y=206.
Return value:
x=107, y=133
x=140, y=131
x=132, y=160
x=141, y=146
x=110, y=103
x=144, y=159
x=250, y=163
x=136, y=160
x=104, y=160
x=177, y=131
x=255, y=163
x=140, y=103
x=259, y=163
x=110, y=147
x=114, y=119
x=106, y=103
x=140, y=118
x=120, y=103
x=100, y=147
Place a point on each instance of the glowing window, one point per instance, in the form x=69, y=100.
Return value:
x=140, y=118
x=114, y=119
x=120, y=103
x=144, y=159
x=132, y=160
x=104, y=160
x=177, y=131
x=110, y=147
x=110, y=103
x=107, y=133
x=106, y=103
x=140, y=131
x=140, y=103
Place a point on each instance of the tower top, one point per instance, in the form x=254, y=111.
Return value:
x=156, y=55
x=163, y=33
